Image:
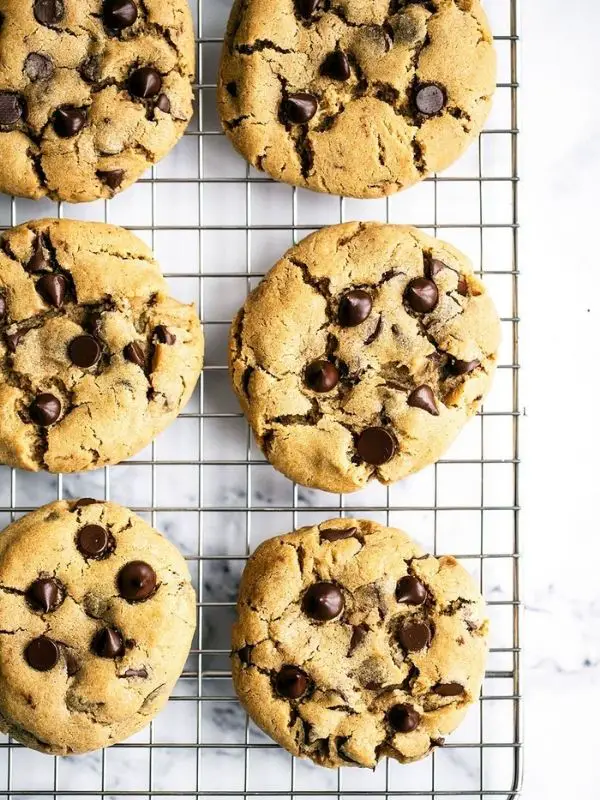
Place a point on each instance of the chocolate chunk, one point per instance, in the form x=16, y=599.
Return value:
x=355, y=307
x=376, y=446
x=52, y=288
x=421, y=295
x=434, y=268
x=336, y=66
x=164, y=335
x=12, y=340
x=457, y=367
x=45, y=594
x=45, y=409
x=93, y=541
x=11, y=110
x=299, y=108
x=112, y=178
x=108, y=643
x=410, y=590
x=334, y=534
x=38, y=67
x=48, y=12
x=422, y=397
x=145, y=82
x=291, y=682
x=306, y=8
x=3, y=306
x=135, y=673
x=84, y=351
x=119, y=14
x=69, y=121
x=449, y=689
x=414, y=635
x=403, y=718
x=321, y=376
x=134, y=353
x=42, y=653
x=323, y=601
x=136, y=581
x=163, y=103
x=430, y=99
x=39, y=261
x=359, y=633
x=462, y=286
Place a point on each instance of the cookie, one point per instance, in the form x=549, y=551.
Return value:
x=91, y=93
x=97, y=615
x=357, y=99
x=351, y=644
x=362, y=353
x=95, y=357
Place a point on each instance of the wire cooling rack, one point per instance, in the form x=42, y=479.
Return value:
x=205, y=485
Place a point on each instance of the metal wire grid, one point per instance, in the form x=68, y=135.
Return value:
x=202, y=745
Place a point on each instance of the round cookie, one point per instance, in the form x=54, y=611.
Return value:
x=92, y=93
x=351, y=644
x=362, y=353
x=360, y=99
x=95, y=357
x=97, y=615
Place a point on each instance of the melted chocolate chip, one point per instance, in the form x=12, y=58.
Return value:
x=306, y=8
x=42, y=653
x=336, y=66
x=323, y=601
x=135, y=673
x=449, y=689
x=69, y=121
x=45, y=594
x=335, y=534
x=145, y=82
x=462, y=287
x=38, y=67
x=90, y=69
x=134, y=353
x=11, y=110
x=12, y=340
x=376, y=446
x=45, y=409
x=355, y=306
x=136, y=581
x=232, y=88
x=163, y=103
x=39, y=261
x=434, y=268
x=414, y=635
x=52, y=289
x=93, y=541
x=430, y=99
x=108, y=643
x=403, y=718
x=245, y=654
x=164, y=335
x=85, y=501
x=299, y=108
x=421, y=295
x=48, y=12
x=291, y=682
x=112, y=178
x=457, y=367
x=73, y=663
x=321, y=376
x=359, y=633
x=119, y=14
x=3, y=306
x=410, y=590
x=84, y=351
x=422, y=397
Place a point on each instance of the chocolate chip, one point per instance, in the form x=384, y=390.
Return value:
x=84, y=351
x=163, y=103
x=355, y=307
x=69, y=121
x=48, y=12
x=410, y=590
x=359, y=633
x=421, y=295
x=52, y=288
x=93, y=541
x=232, y=88
x=134, y=353
x=422, y=397
x=94, y=323
x=136, y=581
x=334, y=534
x=42, y=653
x=245, y=654
x=85, y=501
x=403, y=718
x=11, y=109
x=73, y=663
x=291, y=682
x=45, y=594
x=38, y=67
x=430, y=99
x=434, y=268
x=457, y=367
x=321, y=376
x=323, y=601
x=164, y=335
x=135, y=673
x=299, y=108
x=119, y=14
x=112, y=178
x=449, y=689
x=376, y=331
x=145, y=82
x=376, y=446
x=45, y=409
x=414, y=635
x=462, y=286
x=108, y=643
x=336, y=66
x=3, y=306
x=39, y=261
x=12, y=340
x=306, y=8
x=90, y=69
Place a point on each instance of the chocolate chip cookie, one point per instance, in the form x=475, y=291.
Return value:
x=91, y=93
x=97, y=615
x=357, y=99
x=95, y=357
x=362, y=353
x=351, y=644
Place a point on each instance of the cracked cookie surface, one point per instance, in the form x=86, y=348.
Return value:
x=351, y=97
x=92, y=93
x=362, y=353
x=351, y=644
x=96, y=358
x=97, y=614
